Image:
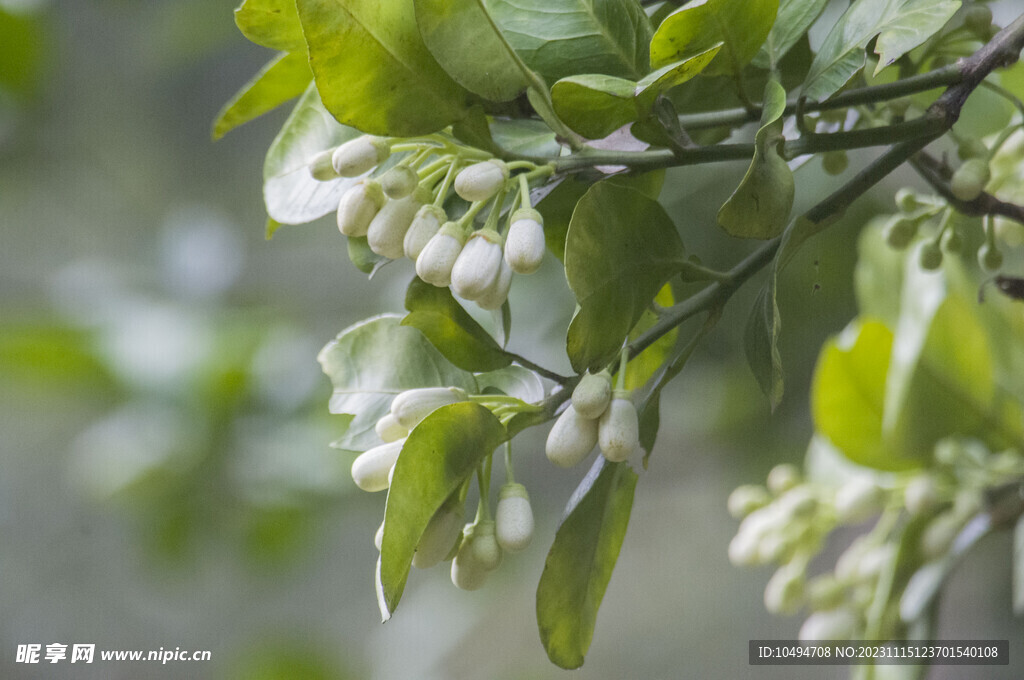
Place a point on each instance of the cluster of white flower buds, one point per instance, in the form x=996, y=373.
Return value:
x=787, y=521
x=596, y=415
x=399, y=215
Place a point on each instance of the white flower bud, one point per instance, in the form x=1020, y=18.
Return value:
x=358, y=206
x=434, y=263
x=524, y=245
x=858, y=499
x=848, y=564
x=412, y=406
x=618, y=429
x=378, y=538
x=321, y=168
x=874, y=562
x=833, y=624
x=438, y=538
x=399, y=181
x=360, y=155
x=389, y=429
x=571, y=438
x=746, y=499
x=425, y=225
x=467, y=573
x=513, y=520
x=370, y=470
x=386, y=233
x=785, y=590
x=939, y=535
x=478, y=265
x=799, y=501
x=486, y=551
x=824, y=592
x=743, y=549
x=592, y=395
x=782, y=478
x=480, y=181
x=495, y=296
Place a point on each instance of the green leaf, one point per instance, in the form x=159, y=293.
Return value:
x=559, y=38
x=370, y=363
x=450, y=328
x=848, y=394
x=373, y=70
x=23, y=43
x=792, y=22
x=643, y=366
x=741, y=25
x=515, y=381
x=580, y=562
x=360, y=254
x=761, y=344
x=271, y=23
x=596, y=105
x=901, y=25
x=525, y=137
x=760, y=205
x=291, y=194
x=620, y=250
x=284, y=78
x=440, y=453
x=462, y=38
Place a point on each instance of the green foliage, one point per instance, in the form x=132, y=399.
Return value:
x=271, y=23
x=283, y=78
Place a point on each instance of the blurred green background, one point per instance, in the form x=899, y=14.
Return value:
x=166, y=479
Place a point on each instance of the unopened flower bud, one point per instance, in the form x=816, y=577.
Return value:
x=321, y=168
x=370, y=470
x=592, y=395
x=467, y=572
x=399, y=181
x=832, y=624
x=970, y=179
x=389, y=429
x=618, y=432
x=899, y=231
x=513, y=520
x=478, y=265
x=386, y=233
x=746, y=499
x=524, y=245
x=358, y=206
x=412, y=406
x=486, y=551
x=378, y=538
x=782, y=478
x=939, y=535
x=784, y=592
x=435, y=262
x=425, y=225
x=438, y=538
x=494, y=297
x=571, y=438
x=858, y=499
x=480, y=181
x=360, y=155
x=824, y=592
x=990, y=258
x=921, y=495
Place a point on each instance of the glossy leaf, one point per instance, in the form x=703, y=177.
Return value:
x=901, y=25
x=792, y=22
x=642, y=367
x=676, y=73
x=461, y=37
x=559, y=38
x=450, y=328
x=620, y=250
x=440, y=453
x=360, y=254
x=284, y=78
x=580, y=562
x=760, y=206
x=741, y=25
x=373, y=70
x=291, y=194
x=370, y=363
x=515, y=381
x=271, y=23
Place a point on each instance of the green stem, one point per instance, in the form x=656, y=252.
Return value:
x=509, y=476
x=442, y=192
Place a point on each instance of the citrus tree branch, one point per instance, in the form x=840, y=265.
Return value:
x=938, y=174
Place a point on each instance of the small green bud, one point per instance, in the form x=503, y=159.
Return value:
x=746, y=499
x=525, y=245
x=412, y=406
x=371, y=470
x=320, y=167
x=858, y=499
x=833, y=624
x=438, y=538
x=784, y=593
x=989, y=257
x=906, y=200
x=899, y=232
x=358, y=206
x=782, y=478
x=435, y=262
x=425, y=225
x=618, y=432
x=480, y=181
x=513, y=520
x=929, y=256
x=592, y=395
x=571, y=438
x=970, y=179
x=389, y=429
x=399, y=181
x=835, y=162
x=971, y=148
x=360, y=155
x=952, y=242
x=978, y=20
x=478, y=265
